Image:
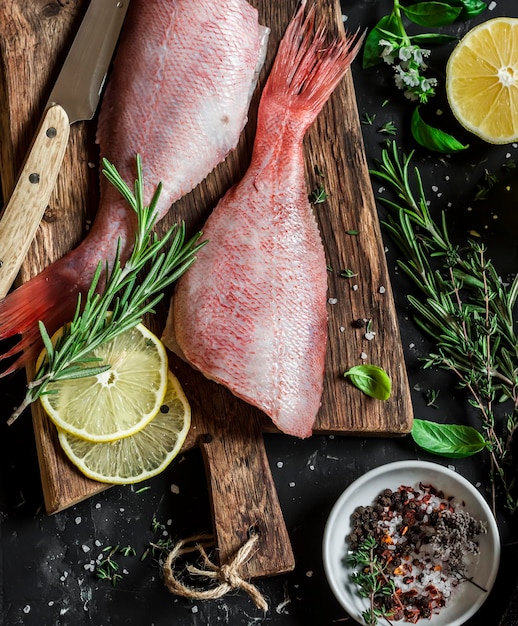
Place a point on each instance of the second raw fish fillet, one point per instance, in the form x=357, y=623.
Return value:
x=251, y=312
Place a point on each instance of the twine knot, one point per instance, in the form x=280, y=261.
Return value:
x=228, y=575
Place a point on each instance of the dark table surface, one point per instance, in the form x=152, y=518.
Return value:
x=48, y=562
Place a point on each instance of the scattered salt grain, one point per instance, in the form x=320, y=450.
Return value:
x=363, y=356
x=382, y=289
x=332, y=300
x=355, y=287
x=175, y=489
x=194, y=609
x=309, y=573
x=292, y=484
x=98, y=505
x=491, y=6
x=342, y=329
x=370, y=335
x=77, y=520
x=97, y=543
x=411, y=346
x=27, y=608
x=280, y=464
x=85, y=548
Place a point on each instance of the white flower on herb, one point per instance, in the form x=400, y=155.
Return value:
x=427, y=84
x=413, y=55
x=406, y=77
x=387, y=54
x=405, y=53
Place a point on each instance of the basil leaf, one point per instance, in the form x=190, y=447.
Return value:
x=470, y=8
x=432, y=38
x=432, y=13
x=433, y=138
x=372, y=49
x=370, y=379
x=449, y=440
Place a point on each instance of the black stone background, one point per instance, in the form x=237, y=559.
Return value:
x=44, y=581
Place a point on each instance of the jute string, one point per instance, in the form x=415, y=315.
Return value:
x=228, y=575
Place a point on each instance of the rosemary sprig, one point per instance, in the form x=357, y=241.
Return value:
x=130, y=291
x=464, y=307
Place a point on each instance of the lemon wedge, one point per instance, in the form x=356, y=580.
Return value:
x=140, y=456
x=120, y=401
x=482, y=80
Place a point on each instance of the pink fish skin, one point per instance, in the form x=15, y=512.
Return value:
x=251, y=312
x=179, y=96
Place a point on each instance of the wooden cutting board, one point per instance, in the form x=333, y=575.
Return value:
x=35, y=35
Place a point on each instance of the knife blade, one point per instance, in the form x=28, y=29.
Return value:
x=74, y=97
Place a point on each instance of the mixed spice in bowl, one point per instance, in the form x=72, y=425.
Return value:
x=411, y=541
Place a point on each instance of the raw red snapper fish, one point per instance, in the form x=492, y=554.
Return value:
x=178, y=95
x=251, y=312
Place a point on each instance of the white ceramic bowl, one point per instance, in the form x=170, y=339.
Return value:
x=467, y=598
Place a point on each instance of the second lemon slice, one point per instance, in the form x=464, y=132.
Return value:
x=140, y=456
x=119, y=402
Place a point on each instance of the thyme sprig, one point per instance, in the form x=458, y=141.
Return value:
x=128, y=293
x=464, y=306
x=370, y=576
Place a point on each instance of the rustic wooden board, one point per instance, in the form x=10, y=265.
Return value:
x=35, y=35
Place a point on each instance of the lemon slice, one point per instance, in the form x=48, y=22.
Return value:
x=482, y=80
x=140, y=456
x=118, y=402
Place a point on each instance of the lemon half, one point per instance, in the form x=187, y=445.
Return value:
x=140, y=456
x=119, y=402
x=482, y=80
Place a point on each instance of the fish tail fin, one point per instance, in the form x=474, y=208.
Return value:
x=308, y=65
x=48, y=297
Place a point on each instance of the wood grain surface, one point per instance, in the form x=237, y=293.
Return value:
x=35, y=35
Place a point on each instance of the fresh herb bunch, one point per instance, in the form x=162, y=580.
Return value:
x=372, y=580
x=390, y=42
x=470, y=313
x=129, y=292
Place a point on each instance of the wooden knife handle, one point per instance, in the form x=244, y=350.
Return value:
x=23, y=213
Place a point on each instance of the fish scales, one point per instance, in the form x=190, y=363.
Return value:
x=251, y=312
x=178, y=95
